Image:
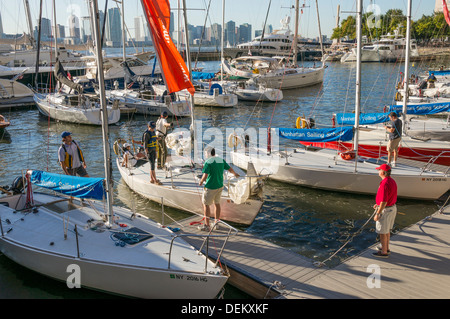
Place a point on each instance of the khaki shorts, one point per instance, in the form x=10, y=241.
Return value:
x=385, y=224
x=393, y=144
x=211, y=196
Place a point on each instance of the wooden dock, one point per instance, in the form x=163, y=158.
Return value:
x=418, y=267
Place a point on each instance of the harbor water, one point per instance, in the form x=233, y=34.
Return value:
x=312, y=223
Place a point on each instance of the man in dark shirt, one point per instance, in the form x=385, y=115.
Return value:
x=431, y=80
x=395, y=136
x=150, y=144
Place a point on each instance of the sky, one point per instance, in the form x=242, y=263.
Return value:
x=241, y=11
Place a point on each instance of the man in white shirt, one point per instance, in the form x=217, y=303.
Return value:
x=161, y=132
x=71, y=157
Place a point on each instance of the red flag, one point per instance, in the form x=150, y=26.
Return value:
x=445, y=9
x=174, y=70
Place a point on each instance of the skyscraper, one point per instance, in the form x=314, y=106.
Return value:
x=245, y=33
x=114, y=27
x=141, y=31
x=74, y=27
x=438, y=5
x=230, y=33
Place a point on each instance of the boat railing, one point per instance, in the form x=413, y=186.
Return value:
x=206, y=241
x=432, y=160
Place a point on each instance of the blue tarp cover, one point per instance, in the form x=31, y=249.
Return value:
x=443, y=72
x=318, y=135
x=81, y=187
x=202, y=75
x=422, y=109
x=364, y=118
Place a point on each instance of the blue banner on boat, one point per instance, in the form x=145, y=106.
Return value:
x=202, y=75
x=443, y=72
x=364, y=118
x=81, y=187
x=318, y=135
x=422, y=109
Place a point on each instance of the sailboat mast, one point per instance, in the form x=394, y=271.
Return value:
x=358, y=79
x=188, y=64
x=294, y=43
x=221, y=41
x=320, y=30
x=55, y=35
x=101, y=82
x=26, y=4
x=407, y=58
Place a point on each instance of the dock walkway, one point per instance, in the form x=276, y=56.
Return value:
x=418, y=267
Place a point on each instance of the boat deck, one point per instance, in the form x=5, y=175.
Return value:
x=418, y=267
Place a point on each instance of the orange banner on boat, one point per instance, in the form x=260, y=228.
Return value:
x=445, y=9
x=173, y=68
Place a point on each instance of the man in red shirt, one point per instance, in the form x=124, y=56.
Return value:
x=386, y=209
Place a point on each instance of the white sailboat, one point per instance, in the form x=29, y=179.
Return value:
x=110, y=248
x=241, y=199
x=325, y=169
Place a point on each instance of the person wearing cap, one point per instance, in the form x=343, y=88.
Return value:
x=128, y=158
x=395, y=136
x=213, y=175
x=386, y=209
x=71, y=157
x=161, y=132
x=431, y=80
x=150, y=145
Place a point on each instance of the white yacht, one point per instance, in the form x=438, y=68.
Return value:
x=387, y=49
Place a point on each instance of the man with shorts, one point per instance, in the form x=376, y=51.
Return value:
x=150, y=144
x=386, y=210
x=395, y=136
x=71, y=157
x=213, y=175
x=161, y=132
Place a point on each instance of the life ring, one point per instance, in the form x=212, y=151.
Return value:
x=234, y=140
x=301, y=122
x=116, y=148
x=215, y=86
x=398, y=96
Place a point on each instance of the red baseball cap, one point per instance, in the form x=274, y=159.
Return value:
x=384, y=167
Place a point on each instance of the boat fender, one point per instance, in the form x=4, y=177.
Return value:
x=301, y=122
x=215, y=86
x=234, y=140
x=347, y=156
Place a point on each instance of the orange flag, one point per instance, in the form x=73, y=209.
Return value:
x=445, y=9
x=173, y=68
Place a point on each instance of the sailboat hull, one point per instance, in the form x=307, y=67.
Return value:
x=186, y=194
x=329, y=173
x=92, y=260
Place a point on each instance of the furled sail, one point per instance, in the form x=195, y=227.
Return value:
x=173, y=68
x=422, y=109
x=344, y=133
x=364, y=118
x=81, y=187
x=130, y=77
x=61, y=76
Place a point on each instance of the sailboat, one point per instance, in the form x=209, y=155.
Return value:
x=241, y=199
x=326, y=169
x=97, y=246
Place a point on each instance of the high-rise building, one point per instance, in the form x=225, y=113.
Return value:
x=141, y=31
x=85, y=29
x=438, y=5
x=74, y=27
x=230, y=33
x=46, y=28
x=216, y=34
x=60, y=31
x=1, y=26
x=244, y=33
x=114, y=27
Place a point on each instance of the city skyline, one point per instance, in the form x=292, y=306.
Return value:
x=239, y=14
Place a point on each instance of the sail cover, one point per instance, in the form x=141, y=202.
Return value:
x=364, y=119
x=422, y=109
x=61, y=76
x=318, y=135
x=81, y=187
x=131, y=77
x=174, y=70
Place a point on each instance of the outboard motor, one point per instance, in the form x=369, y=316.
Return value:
x=17, y=186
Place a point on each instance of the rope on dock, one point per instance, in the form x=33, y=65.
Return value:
x=322, y=263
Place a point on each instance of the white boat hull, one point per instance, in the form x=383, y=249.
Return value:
x=331, y=173
x=186, y=194
x=140, y=270
x=90, y=116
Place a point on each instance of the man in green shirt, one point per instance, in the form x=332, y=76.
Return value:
x=213, y=175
